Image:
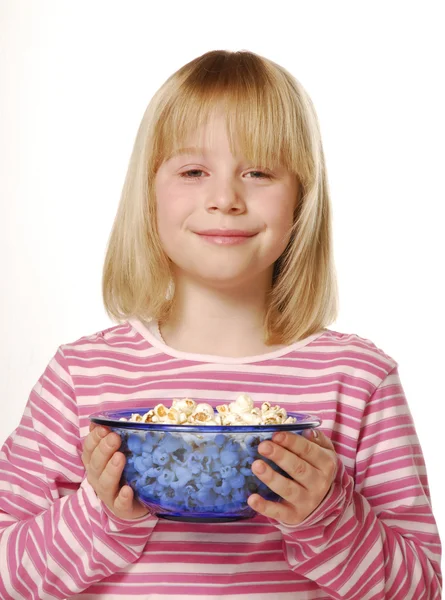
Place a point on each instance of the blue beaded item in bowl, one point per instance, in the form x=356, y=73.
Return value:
x=198, y=473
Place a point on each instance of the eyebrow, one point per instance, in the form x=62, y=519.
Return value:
x=188, y=150
x=193, y=150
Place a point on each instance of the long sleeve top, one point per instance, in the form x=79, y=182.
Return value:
x=373, y=537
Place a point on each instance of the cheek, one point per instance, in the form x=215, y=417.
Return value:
x=279, y=223
x=172, y=222
x=279, y=218
x=171, y=211
x=168, y=225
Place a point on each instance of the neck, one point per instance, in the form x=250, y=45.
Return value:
x=213, y=321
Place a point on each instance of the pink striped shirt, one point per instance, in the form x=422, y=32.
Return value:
x=374, y=537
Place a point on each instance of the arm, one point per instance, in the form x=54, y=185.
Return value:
x=375, y=539
x=56, y=537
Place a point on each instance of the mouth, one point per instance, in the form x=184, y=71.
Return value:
x=227, y=233
x=226, y=237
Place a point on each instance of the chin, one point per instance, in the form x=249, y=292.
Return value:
x=222, y=274
x=225, y=280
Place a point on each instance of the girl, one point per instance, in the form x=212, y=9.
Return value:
x=220, y=274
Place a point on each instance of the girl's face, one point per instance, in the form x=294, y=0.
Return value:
x=208, y=188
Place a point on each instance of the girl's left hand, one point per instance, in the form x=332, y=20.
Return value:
x=312, y=465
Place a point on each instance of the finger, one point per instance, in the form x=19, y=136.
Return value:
x=103, y=453
x=298, y=468
x=123, y=502
x=280, y=511
x=286, y=488
x=297, y=444
x=91, y=441
x=107, y=486
x=320, y=438
x=330, y=461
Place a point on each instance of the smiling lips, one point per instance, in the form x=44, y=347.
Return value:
x=226, y=237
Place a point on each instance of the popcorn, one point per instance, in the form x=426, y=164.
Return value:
x=202, y=414
x=186, y=405
x=161, y=412
x=251, y=419
x=232, y=419
x=277, y=415
x=175, y=417
x=272, y=420
x=200, y=418
x=244, y=403
x=204, y=408
x=134, y=417
x=282, y=413
x=240, y=412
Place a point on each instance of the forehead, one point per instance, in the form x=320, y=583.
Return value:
x=210, y=136
x=218, y=135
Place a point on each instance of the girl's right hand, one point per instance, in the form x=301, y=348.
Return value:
x=104, y=468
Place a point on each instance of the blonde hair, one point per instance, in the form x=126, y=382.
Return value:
x=273, y=120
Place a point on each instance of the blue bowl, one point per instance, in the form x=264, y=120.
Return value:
x=198, y=473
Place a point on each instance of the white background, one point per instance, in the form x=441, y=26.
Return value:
x=75, y=80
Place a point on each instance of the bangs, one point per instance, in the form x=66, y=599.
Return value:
x=262, y=123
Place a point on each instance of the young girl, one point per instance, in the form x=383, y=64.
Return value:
x=220, y=274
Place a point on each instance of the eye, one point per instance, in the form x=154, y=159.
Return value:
x=186, y=174
x=265, y=175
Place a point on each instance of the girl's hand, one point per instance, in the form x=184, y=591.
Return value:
x=312, y=466
x=104, y=468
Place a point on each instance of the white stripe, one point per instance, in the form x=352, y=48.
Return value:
x=217, y=568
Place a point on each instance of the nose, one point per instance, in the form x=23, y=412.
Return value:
x=226, y=199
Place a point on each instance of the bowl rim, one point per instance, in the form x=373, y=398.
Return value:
x=307, y=421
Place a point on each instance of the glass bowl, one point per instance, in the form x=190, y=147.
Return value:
x=198, y=473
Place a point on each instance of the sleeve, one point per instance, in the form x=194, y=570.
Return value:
x=374, y=536
x=56, y=537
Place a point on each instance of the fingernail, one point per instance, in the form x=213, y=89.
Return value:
x=258, y=467
x=111, y=441
x=115, y=460
x=102, y=431
x=265, y=448
x=310, y=434
x=278, y=437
